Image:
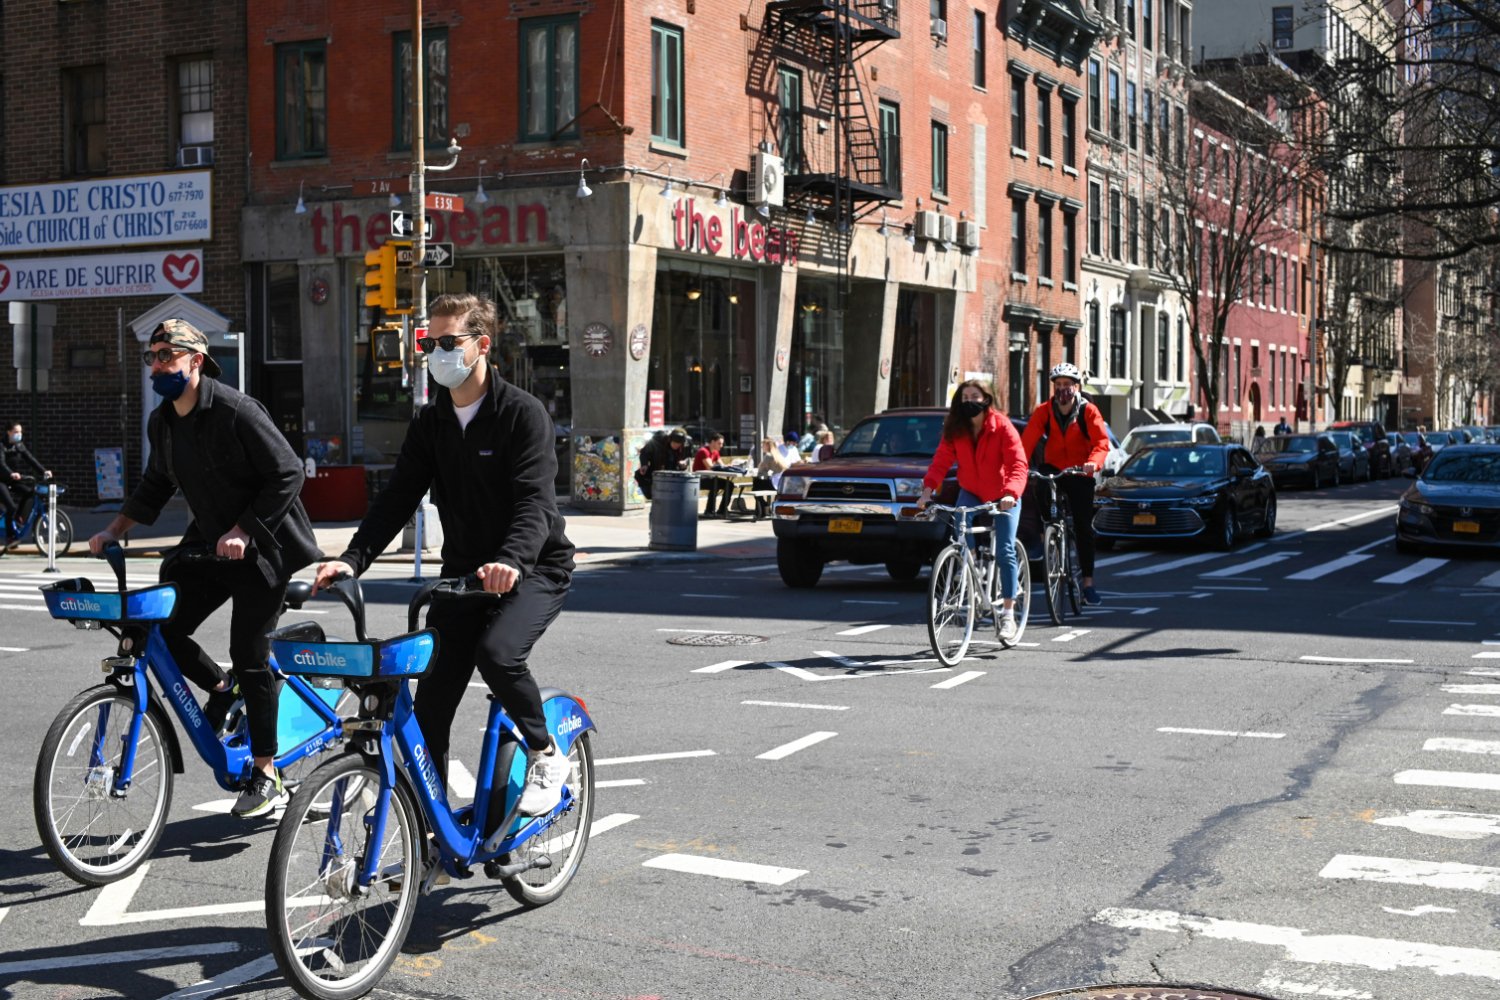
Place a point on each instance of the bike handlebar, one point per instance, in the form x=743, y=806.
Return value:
x=1072, y=470
x=446, y=587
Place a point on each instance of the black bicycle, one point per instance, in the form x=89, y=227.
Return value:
x=1059, y=546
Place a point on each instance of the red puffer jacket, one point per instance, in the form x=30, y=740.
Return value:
x=990, y=467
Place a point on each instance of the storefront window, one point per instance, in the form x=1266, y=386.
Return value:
x=703, y=354
x=914, y=359
x=815, y=371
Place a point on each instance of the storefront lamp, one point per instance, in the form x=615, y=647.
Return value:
x=480, y=198
x=885, y=229
x=584, y=190
x=301, y=208
x=694, y=293
x=395, y=200
x=666, y=189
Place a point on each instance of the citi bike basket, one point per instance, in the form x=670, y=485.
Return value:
x=373, y=828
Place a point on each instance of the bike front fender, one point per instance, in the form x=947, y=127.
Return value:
x=567, y=717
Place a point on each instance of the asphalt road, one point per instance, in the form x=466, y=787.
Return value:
x=1271, y=770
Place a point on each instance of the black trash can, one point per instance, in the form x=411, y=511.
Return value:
x=674, y=511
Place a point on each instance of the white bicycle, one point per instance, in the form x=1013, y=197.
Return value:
x=966, y=583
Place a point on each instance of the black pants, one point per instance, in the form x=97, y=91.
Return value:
x=1080, y=493
x=762, y=505
x=9, y=503
x=716, y=485
x=202, y=588
x=495, y=636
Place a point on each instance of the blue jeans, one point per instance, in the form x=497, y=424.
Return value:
x=1004, y=534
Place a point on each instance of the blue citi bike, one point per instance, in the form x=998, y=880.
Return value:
x=35, y=522
x=372, y=829
x=103, y=782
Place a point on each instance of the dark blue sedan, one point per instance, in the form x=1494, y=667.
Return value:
x=1454, y=503
x=1212, y=491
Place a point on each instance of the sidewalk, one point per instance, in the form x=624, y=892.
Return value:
x=599, y=538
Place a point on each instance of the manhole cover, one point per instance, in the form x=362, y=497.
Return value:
x=1148, y=993
x=715, y=639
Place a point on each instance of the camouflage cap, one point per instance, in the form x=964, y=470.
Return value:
x=181, y=333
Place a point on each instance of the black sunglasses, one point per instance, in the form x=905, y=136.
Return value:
x=447, y=343
x=163, y=354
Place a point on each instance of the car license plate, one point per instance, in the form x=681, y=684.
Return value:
x=846, y=525
x=1466, y=527
x=1143, y=519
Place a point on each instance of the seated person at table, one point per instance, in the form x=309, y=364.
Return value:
x=664, y=452
x=708, y=460
x=773, y=462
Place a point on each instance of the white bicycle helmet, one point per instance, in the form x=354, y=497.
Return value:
x=1065, y=370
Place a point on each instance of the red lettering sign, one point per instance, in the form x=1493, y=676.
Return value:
x=341, y=229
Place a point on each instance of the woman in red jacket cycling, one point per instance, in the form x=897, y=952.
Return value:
x=991, y=468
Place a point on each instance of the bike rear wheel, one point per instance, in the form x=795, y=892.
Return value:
x=1022, y=609
x=950, y=607
x=1055, y=564
x=333, y=939
x=64, y=534
x=564, y=841
x=95, y=834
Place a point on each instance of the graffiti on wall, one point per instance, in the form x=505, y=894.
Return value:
x=597, y=469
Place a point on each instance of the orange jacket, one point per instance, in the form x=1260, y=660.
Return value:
x=990, y=468
x=1085, y=440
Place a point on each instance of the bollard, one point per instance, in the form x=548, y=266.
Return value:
x=51, y=529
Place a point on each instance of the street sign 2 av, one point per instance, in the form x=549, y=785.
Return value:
x=435, y=255
x=403, y=224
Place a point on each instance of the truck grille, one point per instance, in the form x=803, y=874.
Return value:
x=849, y=489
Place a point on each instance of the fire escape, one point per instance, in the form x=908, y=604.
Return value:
x=838, y=174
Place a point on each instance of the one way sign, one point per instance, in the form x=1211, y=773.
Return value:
x=403, y=225
x=435, y=255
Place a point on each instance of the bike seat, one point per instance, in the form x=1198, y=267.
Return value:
x=300, y=632
x=298, y=593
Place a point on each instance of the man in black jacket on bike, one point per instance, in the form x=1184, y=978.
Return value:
x=485, y=448
x=241, y=481
x=15, y=456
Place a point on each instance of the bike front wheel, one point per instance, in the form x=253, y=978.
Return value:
x=64, y=534
x=1054, y=562
x=950, y=607
x=96, y=833
x=563, y=842
x=334, y=939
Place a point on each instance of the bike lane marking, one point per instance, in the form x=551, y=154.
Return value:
x=740, y=871
x=963, y=678
x=1248, y=734
x=862, y=629
x=714, y=668
x=787, y=749
x=647, y=758
x=797, y=704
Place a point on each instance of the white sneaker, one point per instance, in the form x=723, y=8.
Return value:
x=1008, y=626
x=544, y=782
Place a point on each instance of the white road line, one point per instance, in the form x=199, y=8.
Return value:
x=1418, y=911
x=1463, y=746
x=138, y=956
x=1143, y=611
x=23, y=607
x=1348, y=659
x=889, y=604
x=610, y=822
x=649, y=757
x=1402, y=871
x=1493, y=580
x=110, y=906
x=797, y=704
x=1419, y=568
x=227, y=980
x=1274, y=984
x=1443, y=823
x=1298, y=945
x=1427, y=621
x=1071, y=634
x=1332, y=566
x=1483, y=672
x=14, y=649
x=1248, y=734
x=1219, y=586
x=1116, y=560
x=842, y=661
x=1236, y=570
x=787, y=749
x=1471, y=688
x=460, y=782
x=1351, y=519
x=1167, y=567
x=1486, y=656
x=955, y=681
x=620, y=783
x=1480, y=711
x=863, y=629
x=700, y=631
x=714, y=668
x=740, y=871
x=710, y=597
x=1450, y=779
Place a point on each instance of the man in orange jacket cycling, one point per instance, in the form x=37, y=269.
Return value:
x=1076, y=435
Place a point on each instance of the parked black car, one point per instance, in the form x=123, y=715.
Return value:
x=1354, y=460
x=1377, y=447
x=1213, y=491
x=1300, y=459
x=1455, y=503
x=1420, y=451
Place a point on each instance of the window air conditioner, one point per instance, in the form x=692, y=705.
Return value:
x=947, y=229
x=195, y=156
x=887, y=8
x=968, y=235
x=940, y=29
x=768, y=179
x=927, y=226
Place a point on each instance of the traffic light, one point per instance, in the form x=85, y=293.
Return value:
x=380, y=277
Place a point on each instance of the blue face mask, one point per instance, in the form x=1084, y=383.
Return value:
x=169, y=385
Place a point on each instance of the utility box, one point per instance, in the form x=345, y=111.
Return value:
x=432, y=530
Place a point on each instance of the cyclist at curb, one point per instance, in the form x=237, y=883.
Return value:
x=15, y=456
x=241, y=481
x=485, y=447
x=1074, y=434
x=991, y=469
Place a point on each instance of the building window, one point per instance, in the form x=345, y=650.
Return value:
x=1117, y=343
x=1164, y=231
x=1070, y=247
x=1095, y=247
x=789, y=124
x=1018, y=112
x=1044, y=240
x=1130, y=18
x=1018, y=236
x=194, y=108
x=1150, y=239
x=1114, y=224
x=1166, y=128
x=1134, y=231
x=1146, y=25
x=1096, y=359
x=890, y=145
x=1181, y=135
x=549, y=79
x=1094, y=112
x=1181, y=348
x=434, y=88
x=1271, y=381
x=940, y=159
x=1185, y=36
x=1130, y=109
x=1236, y=373
x=1163, y=346
x=301, y=100
x=1114, y=104
x=1148, y=116
x=979, y=48
x=666, y=84
x=1044, y=123
x=1070, y=134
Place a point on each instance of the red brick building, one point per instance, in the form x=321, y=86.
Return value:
x=116, y=209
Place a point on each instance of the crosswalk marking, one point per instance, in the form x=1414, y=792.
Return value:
x=1482, y=711
x=963, y=678
x=863, y=629
x=1419, y=568
x=787, y=749
x=1463, y=746
x=1167, y=567
x=1471, y=688
x=740, y=871
x=1253, y=564
x=1333, y=566
x=1493, y=580
x=1404, y=871
x=1450, y=779
x=1443, y=823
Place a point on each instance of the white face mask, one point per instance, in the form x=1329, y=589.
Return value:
x=447, y=368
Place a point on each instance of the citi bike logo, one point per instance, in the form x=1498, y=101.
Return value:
x=569, y=725
x=188, y=703
x=307, y=658
x=429, y=773
x=83, y=604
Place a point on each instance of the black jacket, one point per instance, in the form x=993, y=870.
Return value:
x=18, y=458
x=240, y=470
x=492, y=483
x=657, y=455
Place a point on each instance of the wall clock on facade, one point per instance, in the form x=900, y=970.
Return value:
x=318, y=291
x=597, y=340
x=885, y=367
x=640, y=340
x=781, y=359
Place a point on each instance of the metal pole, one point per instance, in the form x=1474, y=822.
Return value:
x=51, y=528
x=418, y=251
x=34, y=424
x=124, y=398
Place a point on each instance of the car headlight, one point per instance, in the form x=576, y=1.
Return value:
x=908, y=487
x=1206, y=500
x=1103, y=501
x=793, y=487
x=1417, y=507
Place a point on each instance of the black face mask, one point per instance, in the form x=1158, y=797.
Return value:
x=972, y=408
